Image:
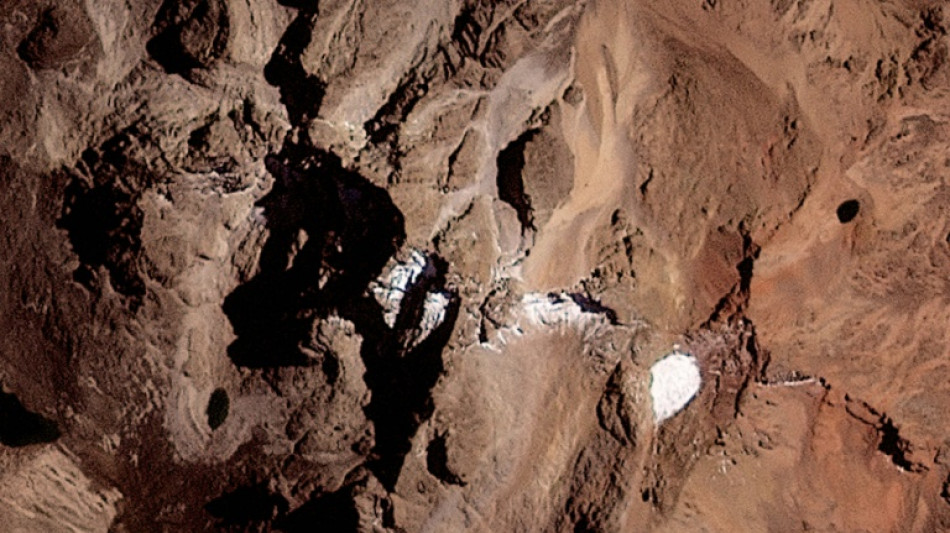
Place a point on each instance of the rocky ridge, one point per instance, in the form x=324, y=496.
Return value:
x=405, y=266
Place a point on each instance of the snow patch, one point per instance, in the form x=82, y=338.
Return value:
x=258, y=216
x=674, y=381
x=433, y=313
x=414, y=275
x=791, y=382
x=552, y=311
x=391, y=288
x=556, y=310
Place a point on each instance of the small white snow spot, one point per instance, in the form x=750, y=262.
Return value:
x=258, y=216
x=433, y=313
x=674, y=381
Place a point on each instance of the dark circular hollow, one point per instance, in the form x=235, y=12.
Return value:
x=218, y=407
x=848, y=210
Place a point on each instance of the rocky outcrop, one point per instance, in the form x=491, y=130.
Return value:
x=390, y=266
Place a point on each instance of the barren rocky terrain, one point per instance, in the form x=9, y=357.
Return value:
x=342, y=265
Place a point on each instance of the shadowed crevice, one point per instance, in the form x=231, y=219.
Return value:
x=102, y=216
x=300, y=92
x=401, y=369
x=510, y=180
x=189, y=34
x=333, y=512
x=894, y=446
x=246, y=505
x=21, y=427
x=331, y=232
x=437, y=461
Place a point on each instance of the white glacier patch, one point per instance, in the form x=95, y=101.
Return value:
x=674, y=381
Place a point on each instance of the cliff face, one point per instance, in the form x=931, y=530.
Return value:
x=405, y=266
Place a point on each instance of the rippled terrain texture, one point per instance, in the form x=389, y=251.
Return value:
x=347, y=265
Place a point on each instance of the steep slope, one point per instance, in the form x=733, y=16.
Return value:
x=390, y=266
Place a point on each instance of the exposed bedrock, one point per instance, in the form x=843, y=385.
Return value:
x=474, y=266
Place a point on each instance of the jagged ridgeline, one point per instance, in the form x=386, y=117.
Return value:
x=463, y=265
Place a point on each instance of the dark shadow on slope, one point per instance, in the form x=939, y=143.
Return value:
x=246, y=505
x=300, y=92
x=590, y=305
x=510, y=180
x=102, y=216
x=331, y=232
x=401, y=369
x=402, y=384
x=20, y=427
x=894, y=446
x=334, y=512
x=189, y=34
x=437, y=461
